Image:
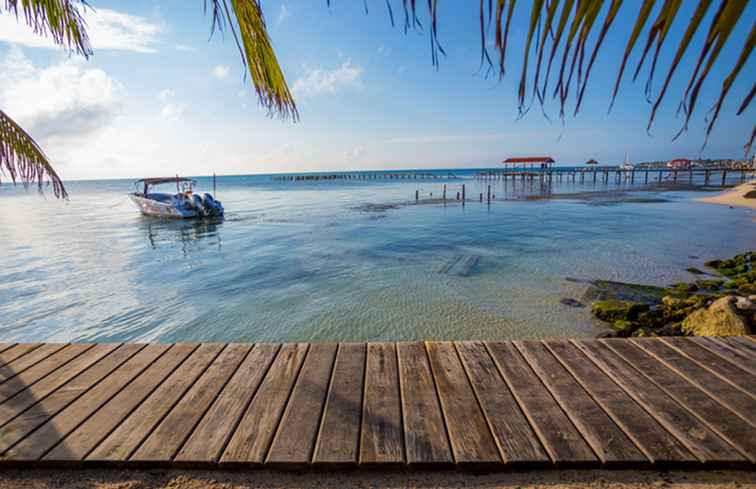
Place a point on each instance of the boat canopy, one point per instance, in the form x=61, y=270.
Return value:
x=161, y=180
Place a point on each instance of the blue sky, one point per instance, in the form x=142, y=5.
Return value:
x=159, y=98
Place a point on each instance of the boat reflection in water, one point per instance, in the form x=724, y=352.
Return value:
x=193, y=235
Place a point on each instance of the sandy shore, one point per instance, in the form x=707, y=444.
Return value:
x=565, y=479
x=734, y=197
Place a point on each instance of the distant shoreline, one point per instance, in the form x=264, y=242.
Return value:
x=734, y=197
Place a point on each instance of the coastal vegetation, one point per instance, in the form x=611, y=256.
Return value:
x=719, y=306
x=562, y=42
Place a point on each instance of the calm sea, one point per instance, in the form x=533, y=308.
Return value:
x=343, y=260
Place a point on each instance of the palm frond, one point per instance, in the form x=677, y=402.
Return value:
x=257, y=53
x=61, y=19
x=23, y=160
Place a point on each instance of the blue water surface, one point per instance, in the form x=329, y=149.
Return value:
x=345, y=259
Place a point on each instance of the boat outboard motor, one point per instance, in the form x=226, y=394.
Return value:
x=214, y=207
x=197, y=203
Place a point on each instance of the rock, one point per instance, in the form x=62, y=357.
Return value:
x=745, y=304
x=720, y=319
x=624, y=328
x=567, y=301
x=709, y=284
x=713, y=263
x=643, y=332
x=614, y=310
x=673, y=302
x=607, y=334
x=684, y=287
x=747, y=289
x=694, y=271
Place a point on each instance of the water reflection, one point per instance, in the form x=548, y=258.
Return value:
x=192, y=234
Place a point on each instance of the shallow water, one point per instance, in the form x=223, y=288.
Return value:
x=343, y=260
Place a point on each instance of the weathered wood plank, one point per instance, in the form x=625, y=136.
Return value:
x=609, y=442
x=6, y=346
x=219, y=423
x=125, y=439
x=518, y=443
x=558, y=435
x=48, y=407
x=28, y=360
x=19, y=403
x=724, y=392
x=36, y=444
x=250, y=443
x=339, y=437
x=381, y=439
x=294, y=441
x=169, y=436
x=89, y=434
x=655, y=442
x=16, y=351
x=746, y=344
x=725, y=370
x=425, y=436
x=729, y=352
x=469, y=435
x=727, y=425
x=688, y=429
x=42, y=369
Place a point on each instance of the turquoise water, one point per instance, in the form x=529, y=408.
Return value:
x=342, y=260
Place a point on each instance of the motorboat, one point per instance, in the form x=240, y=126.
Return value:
x=183, y=204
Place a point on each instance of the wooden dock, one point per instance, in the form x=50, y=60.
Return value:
x=490, y=405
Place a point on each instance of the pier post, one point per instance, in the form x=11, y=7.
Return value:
x=489, y=194
x=706, y=177
x=724, y=177
x=674, y=179
x=594, y=176
x=457, y=196
x=646, y=181
x=463, y=194
x=660, y=175
x=481, y=197
x=417, y=195
x=444, y=193
x=632, y=176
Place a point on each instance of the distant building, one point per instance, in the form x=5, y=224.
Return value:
x=680, y=164
x=544, y=162
x=591, y=162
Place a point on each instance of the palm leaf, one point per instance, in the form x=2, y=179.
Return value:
x=23, y=160
x=61, y=19
x=257, y=54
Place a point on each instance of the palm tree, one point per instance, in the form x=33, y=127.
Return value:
x=558, y=38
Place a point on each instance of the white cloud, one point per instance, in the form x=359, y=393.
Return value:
x=107, y=29
x=354, y=153
x=221, y=71
x=318, y=81
x=184, y=47
x=61, y=102
x=171, y=109
x=283, y=14
x=166, y=95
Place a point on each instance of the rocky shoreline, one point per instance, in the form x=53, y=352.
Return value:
x=722, y=305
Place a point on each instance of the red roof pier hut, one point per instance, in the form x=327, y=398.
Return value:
x=529, y=164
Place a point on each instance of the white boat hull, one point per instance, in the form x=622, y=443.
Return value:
x=151, y=207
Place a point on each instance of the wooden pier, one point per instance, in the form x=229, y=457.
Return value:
x=615, y=174
x=404, y=175
x=493, y=405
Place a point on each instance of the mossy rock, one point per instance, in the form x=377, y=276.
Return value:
x=683, y=288
x=747, y=289
x=624, y=328
x=694, y=271
x=643, y=332
x=709, y=284
x=715, y=264
x=616, y=310
x=728, y=272
x=730, y=284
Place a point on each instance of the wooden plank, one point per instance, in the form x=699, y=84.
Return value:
x=727, y=395
x=83, y=439
x=27, y=360
x=250, y=443
x=688, y=429
x=298, y=429
x=15, y=352
x=19, y=403
x=471, y=439
x=518, y=443
x=728, y=351
x=725, y=370
x=169, y=436
x=36, y=444
x=219, y=423
x=381, y=439
x=6, y=346
x=745, y=343
x=339, y=437
x=425, y=436
x=727, y=425
x=655, y=442
x=609, y=442
x=125, y=439
x=42, y=369
x=63, y=396
x=556, y=432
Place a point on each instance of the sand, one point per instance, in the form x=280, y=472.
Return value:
x=263, y=479
x=734, y=197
